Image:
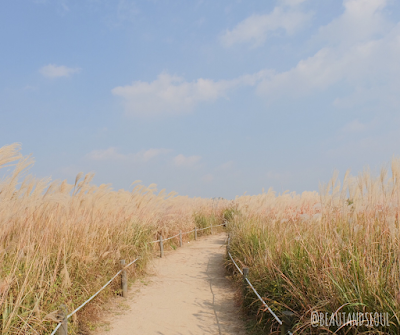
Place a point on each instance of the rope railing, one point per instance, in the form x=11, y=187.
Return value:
x=202, y=228
x=93, y=296
x=244, y=273
x=188, y=232
x=287, y=321
x=237, y=267
x=55, y=330
x=169, y=238
x=263, y=302
x=63, y=315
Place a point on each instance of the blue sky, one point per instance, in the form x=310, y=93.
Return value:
x=206, y=98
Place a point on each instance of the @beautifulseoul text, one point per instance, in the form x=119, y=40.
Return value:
x=374, y=319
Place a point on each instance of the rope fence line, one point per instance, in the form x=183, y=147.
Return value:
x=264, y=303
x=202, y=228
x=188, y=232
x=131, y=262
x=237, y=267
x=62, y=327
x=66, y=317
x=55, y=330
x=287, y=322
x=288, y=315
x=94, y=295
x=169, y=238
x=255, y=291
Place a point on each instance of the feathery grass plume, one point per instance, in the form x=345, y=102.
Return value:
x=345, y=260
x=60, y=242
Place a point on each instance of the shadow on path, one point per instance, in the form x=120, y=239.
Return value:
x=188, y=294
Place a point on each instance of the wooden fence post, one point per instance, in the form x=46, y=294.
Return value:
x=161, y=247
x=63, y=314
x=211, y=228
x=287, y=322
x=180, y=238
x=124, y=279
x=195, y=233
x=245, y=275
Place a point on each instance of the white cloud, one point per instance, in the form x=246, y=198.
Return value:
x=146, y=155
x=361, y=21
x=360, y=51
x=64, y=6
x=364, y=7
x=257, y=28
x=314, y=73
x=225, y=166
x=113, y=153
x=55, y=71
x=292, y=2
x=354, y=127
x=186, y=161
x=172, y=95
x=107, y=154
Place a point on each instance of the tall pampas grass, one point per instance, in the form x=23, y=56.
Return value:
x=333, y=251
x=60, y=242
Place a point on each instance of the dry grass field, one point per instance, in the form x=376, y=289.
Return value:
x=59, y=243
x=333, y=251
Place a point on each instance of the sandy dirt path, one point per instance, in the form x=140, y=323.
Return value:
x=187, y=294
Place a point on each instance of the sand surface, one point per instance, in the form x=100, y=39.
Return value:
x=187, y=293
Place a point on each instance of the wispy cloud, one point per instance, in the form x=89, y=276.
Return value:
x=361, y=21
x=169, y=95
x=257, y=28
x=149, y=154
x=113, y=153
x=225, y=166
x=355, y=126
x=186, y=161
x=359, y=49
x=292, y=2
x=173, y=95
x=56, y=71
x=106, y=154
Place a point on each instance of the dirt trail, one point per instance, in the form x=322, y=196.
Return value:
x=188, y=294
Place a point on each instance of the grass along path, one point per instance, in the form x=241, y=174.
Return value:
x=187, y=293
